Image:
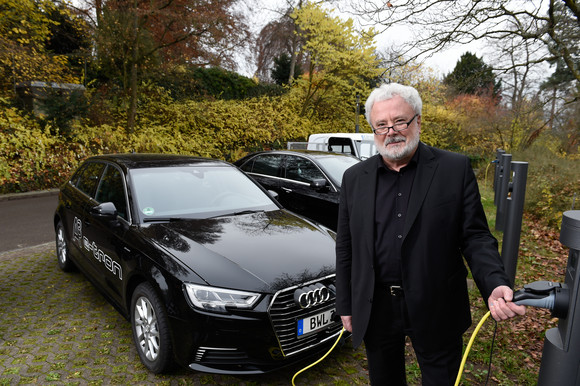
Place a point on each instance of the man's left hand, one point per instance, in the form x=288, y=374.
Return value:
x=501, y=305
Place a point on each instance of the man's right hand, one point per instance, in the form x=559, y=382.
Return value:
x=346, y=322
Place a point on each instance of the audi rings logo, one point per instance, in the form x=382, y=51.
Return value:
x=311, y=296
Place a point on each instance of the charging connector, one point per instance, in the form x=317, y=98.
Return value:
x=545, y=294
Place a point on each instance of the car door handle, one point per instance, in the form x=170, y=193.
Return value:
x=286, y=190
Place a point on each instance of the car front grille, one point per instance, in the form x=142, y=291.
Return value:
x=285, y=313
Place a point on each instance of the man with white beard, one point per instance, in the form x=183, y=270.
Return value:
x=408, y=217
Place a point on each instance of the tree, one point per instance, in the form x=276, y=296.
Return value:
x=551, y=26
x=472, y=76
x=137, y=36
x=340, y=61
x=523, y=36
x=69, y=33
x=25, y=31
x=276, y=39
x=282, y=68
x=70, y=36
x=564, y=108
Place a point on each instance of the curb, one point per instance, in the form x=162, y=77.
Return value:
x=38, y=193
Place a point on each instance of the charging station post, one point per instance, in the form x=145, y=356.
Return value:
x=514, y=211
x=497, y=174
x=510, y=192
x=503, y=189
x=561, y=355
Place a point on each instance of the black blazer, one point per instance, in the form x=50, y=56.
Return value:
x=445, y=222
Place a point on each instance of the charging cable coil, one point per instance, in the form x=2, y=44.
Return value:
x=465, y=355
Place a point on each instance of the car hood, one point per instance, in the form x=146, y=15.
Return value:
x=262, y=251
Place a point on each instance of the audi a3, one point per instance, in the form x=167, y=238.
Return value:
x=209, y=269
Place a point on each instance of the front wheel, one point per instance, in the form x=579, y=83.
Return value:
x=151, y=329
x=62, y=253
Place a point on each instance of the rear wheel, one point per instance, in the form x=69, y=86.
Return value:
x=62, y=253
x=151, y=329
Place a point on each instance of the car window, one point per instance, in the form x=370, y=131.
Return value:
x=112, y=189
x=336, y=166
x=196, y=191
x=267, y=164
x=302, y=169
x=89, y=178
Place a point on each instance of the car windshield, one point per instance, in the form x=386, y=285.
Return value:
x=195, y=192
x=336, y=166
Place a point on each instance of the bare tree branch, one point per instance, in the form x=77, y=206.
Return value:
x=435, y=25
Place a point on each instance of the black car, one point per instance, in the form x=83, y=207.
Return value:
x=306, y=182
x=212, y=273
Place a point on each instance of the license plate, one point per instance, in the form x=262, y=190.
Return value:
x=315, y=322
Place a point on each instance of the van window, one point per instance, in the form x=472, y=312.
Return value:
x=366, y=149
x=341, y=145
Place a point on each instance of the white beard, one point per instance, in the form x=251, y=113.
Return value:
x=398, y=153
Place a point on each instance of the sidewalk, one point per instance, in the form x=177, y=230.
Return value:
x=38, y=193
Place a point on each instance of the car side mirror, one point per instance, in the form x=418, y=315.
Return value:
x=318, y=184
x=105, y=210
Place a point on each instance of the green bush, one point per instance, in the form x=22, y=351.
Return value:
x=63, y=109
x=220, y=128
x=34, y=158
x=190, y=82
x=31, y=158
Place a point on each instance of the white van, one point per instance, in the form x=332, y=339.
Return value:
x=361, y=145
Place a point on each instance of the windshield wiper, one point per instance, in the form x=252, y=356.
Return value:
x=249, y=211
x=164, y=219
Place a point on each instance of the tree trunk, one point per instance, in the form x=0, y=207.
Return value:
x=132, y=111
x=293, y=59
x=553, y=109
x=294, y=53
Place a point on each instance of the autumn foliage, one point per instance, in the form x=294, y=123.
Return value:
x=183, y=107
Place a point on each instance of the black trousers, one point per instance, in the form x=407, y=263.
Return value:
x=385, y=346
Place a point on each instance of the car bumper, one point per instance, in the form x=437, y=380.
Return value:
x=243, y=344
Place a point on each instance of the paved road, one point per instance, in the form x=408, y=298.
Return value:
x=26, y=219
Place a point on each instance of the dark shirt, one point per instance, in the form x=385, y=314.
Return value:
x=392, y=200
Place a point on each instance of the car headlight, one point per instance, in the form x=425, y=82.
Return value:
x=219, y=299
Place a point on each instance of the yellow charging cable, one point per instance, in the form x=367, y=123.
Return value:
x=469, y=346
x=475, y=332
x=320, y=360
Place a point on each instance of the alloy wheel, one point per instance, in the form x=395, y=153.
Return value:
x=147, y=328
x=61, y=247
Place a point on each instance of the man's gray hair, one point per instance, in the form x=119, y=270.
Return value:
x=387, y=91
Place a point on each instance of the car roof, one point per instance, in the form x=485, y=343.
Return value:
x=355, y=136
x=146, y=160
x=310, y=153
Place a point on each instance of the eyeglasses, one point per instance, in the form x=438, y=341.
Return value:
x=384, y=129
